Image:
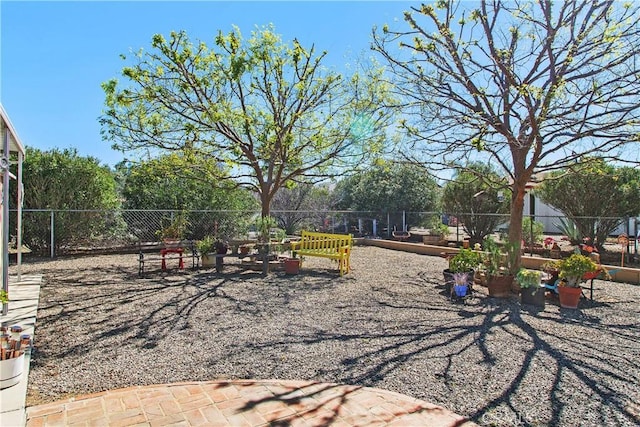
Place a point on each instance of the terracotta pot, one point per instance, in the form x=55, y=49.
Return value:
x=569, y=296
x=591, y=275
x=533, y=296
x=292, y=266
x=500, y=286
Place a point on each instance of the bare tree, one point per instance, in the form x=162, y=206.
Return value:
x=300, y=206
x=526, y=86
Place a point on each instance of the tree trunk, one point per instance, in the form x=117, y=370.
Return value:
x=265, y=201
x=515, y=221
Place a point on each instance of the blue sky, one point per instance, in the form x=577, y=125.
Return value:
x=55, y=55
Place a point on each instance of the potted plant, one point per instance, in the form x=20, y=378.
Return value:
x=461, y=284
x=270, y=238
x=531, y=291
x=206, y=247
x=174, y=232
x=497, y=266
x=437, y=233
x=465, y=261
x=571, y=272
x=555, y=251
x=16, y=344
x=547, y=245
x=209, y=247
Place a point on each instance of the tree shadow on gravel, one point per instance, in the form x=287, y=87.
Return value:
x=491, y=360
x=582, y=379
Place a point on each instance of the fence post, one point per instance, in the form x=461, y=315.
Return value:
x=389, y=224
x=531, y=235
x=51, y=244
x=628, y=227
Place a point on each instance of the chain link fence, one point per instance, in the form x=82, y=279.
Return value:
x=60, y=232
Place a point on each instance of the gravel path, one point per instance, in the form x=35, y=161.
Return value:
x=388, y=324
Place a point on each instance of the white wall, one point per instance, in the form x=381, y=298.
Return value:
x=549, y=215
x=544, y=214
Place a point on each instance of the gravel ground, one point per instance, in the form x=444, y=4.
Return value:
x=388, y=324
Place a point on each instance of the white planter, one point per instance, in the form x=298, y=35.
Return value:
x=208, y=261
x=11, y=371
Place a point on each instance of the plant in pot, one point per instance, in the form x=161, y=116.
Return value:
x=174, y=232
x=547, y=244
x=531, y=291
x=437, y=233
x=206, y=247
x=465, y=261
x=497, y=265
x=16, y=344
x=461, y=284
x=209, y=247
x=292, y=264
x=571, y=272
x=269, y=238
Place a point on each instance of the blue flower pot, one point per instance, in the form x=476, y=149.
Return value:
x=460, y=290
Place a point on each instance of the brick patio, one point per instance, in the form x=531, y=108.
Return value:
x=244, y=403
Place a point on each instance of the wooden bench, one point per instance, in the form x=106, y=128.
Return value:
x=177, y=252
x=333, y=246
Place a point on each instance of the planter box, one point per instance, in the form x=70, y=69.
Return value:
x=438, y=240
x=11, y=371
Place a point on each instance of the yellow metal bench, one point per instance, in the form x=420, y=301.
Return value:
x=333, y=246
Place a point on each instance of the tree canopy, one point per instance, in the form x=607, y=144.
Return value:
x=389, y=187
x=164, y=183
x=63, y=180
x=526, y=86
x=597, y=198
x=265, y=111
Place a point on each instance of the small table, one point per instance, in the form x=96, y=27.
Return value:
x=179, y=251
